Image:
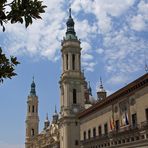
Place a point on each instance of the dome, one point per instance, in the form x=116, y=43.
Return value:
x=70, y=22
x=70, y=33
x=32, y=91
x=101, y=88
x=33, y=84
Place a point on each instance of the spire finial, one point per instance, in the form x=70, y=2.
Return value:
x=89, y=88
x=55, y=109
x=70, y=12
x=33, y=78
x=101, y=84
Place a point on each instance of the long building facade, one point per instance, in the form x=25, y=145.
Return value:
x=119, y=120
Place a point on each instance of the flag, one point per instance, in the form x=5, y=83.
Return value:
x=122, y=120
x=112, y=126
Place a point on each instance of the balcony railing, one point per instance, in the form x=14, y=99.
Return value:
x=144, y=124
x=127, y=131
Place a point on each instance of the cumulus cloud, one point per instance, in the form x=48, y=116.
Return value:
x=138, y=22
x=102, y=10
x=117, y=79
x=42, y=37
x=124, y=55
x=105, y=26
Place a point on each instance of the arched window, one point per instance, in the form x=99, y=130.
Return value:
x=32, y=132
x=89, y=134
x=84, y=135
x=66, y=61
x=73, y=62
x=33, y=108
x=74, y=96
x=105, y=128
x=94, y=132
x=100, y=130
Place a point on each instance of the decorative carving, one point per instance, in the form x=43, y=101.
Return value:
x=132, y=101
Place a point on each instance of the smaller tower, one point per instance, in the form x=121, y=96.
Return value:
x=89, y=89
x=101, y=93
x=55, y=116
x=32, y=118
x=46, y=123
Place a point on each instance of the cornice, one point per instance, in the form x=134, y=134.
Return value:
x=128, y=90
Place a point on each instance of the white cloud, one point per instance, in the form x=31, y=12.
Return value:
x=42, y=38
x=102, y=10
x=100, y=51
x=124, y=53
x=138, y=22
x=88, y=66
x=120, y=46
x=87, y=57
x=118, y=79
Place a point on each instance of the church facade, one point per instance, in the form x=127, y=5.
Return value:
x=119, y=120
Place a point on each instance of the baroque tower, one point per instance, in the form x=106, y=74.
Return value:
x=32, y=118
x=72, y=88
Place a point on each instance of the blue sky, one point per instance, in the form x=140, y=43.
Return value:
x=114, y=41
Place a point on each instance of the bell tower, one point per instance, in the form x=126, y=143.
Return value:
x=32, y=118
x=72, y=88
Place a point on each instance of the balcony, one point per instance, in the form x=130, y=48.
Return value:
x=125, y=135
x=144, y=125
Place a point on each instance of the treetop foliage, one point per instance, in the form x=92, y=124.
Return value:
x=20, y=11
x=16, y=11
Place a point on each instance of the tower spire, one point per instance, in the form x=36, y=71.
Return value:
x=101, y=93
x=46, y=123
x=55, y=109
x=89, y=88
x=32, y=118
x=33, y=91
x=70, y=33
x=101, y=84
x=55, y=116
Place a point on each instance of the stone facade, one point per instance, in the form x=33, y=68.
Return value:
x=118, y=120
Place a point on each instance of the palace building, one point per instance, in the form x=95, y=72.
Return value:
x=116, y=121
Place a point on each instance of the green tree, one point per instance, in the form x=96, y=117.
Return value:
x=16, y=11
